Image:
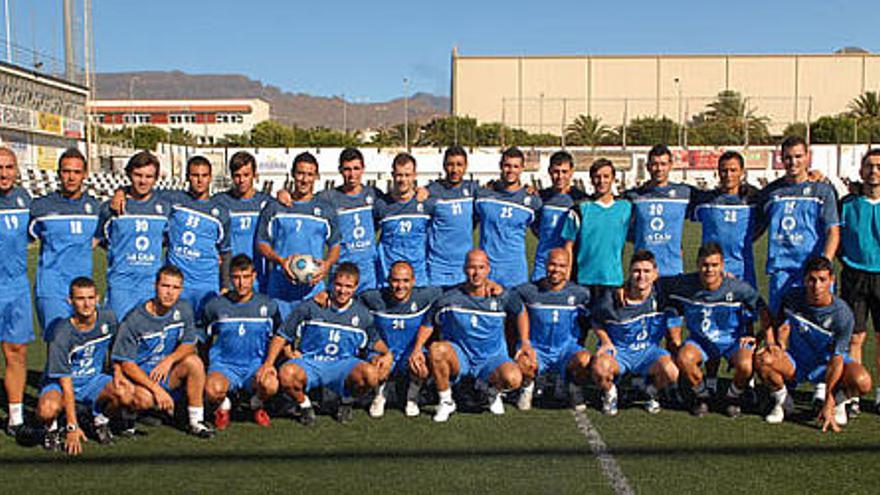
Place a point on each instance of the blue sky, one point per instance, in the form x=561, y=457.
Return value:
x=365, y=49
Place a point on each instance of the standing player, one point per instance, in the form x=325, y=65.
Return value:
x=860, y=255
x=810, y=344
x=306, y=226
x=156, y=348
x=330, y=341
x=75, y=371
x=134, y=239
x=659, y=211
x=398, y=311
x=506, y=211
x=354, y=204
x=558, y=315
x=241, y=323
x=451, y=232
x=555, y=203
x=65, y=223
x=801, y=220
x=630, y=331
x=728, y=216
x=598, y=229
x=718, y=312
x=471, y=322
x=244, y=204
x=403, y=222
x=16, y=322
x=198, y=236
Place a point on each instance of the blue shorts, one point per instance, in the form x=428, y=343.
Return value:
x=128, y=296
x=781, y=282
x=481, y=368
x=16, y=319
x=197, y=296
x=639, y=362
x=240, y=377
x=557, y=362
x=327, y=374
x=86, y=393
x=813, y=368
x=287, y=295
x=713, y=350
x=445, y=276
x=175, y=393
x=49, y=311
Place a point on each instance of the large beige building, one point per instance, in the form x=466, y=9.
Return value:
x=545, y=93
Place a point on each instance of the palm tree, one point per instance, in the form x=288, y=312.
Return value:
x=586, y=129
x=865, y=106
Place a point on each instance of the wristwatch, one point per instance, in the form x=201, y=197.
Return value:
x=72, y=427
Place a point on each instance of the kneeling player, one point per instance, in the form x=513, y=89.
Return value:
x=718, y=312
x=156, y=348
x=398, y=312
x=810, y=344
x=558, y=312
x=329, y=341
x=471, y=321
x=629, y=331
x=241, y=324
x=75, y=371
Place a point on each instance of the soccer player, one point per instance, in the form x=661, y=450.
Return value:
x=64, y=222
x=555, y=203
x=718, y=311
x=330, y=342
x=75, y=371
x=800, y=216
x=354, y=203
x=398, y=311
x=198, y=236
x=16, y=323
x=659, y=211
x=451, y=231
x=471, y=322
x=244, y=204
x=598, y=229
x=860, y=255
x=810, y=343
x=558, y=315
x=306, y=226
x=156, y=348
x=630, y=330
x=240, y=324
x=728, y=216
x=403, y=222
x=134, y=239
x=506, y=211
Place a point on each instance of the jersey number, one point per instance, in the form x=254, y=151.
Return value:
x=730, y=216
x=506, y=212
x=11, y=222
x=244, y=223
x=76, y=227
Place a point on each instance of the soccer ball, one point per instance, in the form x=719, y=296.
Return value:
x=303, y=267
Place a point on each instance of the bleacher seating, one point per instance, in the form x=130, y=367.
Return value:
x=98, y=184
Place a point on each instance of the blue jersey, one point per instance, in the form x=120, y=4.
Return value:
x=555, y=317
x=305, y=227
x=65, y=228
x=718, y=316
x=860, y=233
x=797, y=217
x=241, y=331
x=404, y=236
x=134, y=242
x=549, y=224
x=244, y=216
x=475, y=324
x=146, y=339
x=398, y=322
x=330, y=334
x=599, y=233
x=15, y=212
x=354, y=218
x=505, y=218
x=658, y=223
x=730, y=221
x=198, y=231
x=818, y=333
x=80, y=354
x=632, y=328
x=451, y=232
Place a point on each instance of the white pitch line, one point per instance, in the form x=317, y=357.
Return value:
x=607, y=462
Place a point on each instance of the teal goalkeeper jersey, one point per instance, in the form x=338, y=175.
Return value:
x=860, y=233
x=599, y=233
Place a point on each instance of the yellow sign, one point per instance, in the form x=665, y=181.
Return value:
x=46, y=157
x=49, y=122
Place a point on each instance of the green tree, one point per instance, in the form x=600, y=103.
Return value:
x=446, y=131
x=587, y=130
x=726, y=120
x=271, y=134
x=648, y=131
x=146, y=137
